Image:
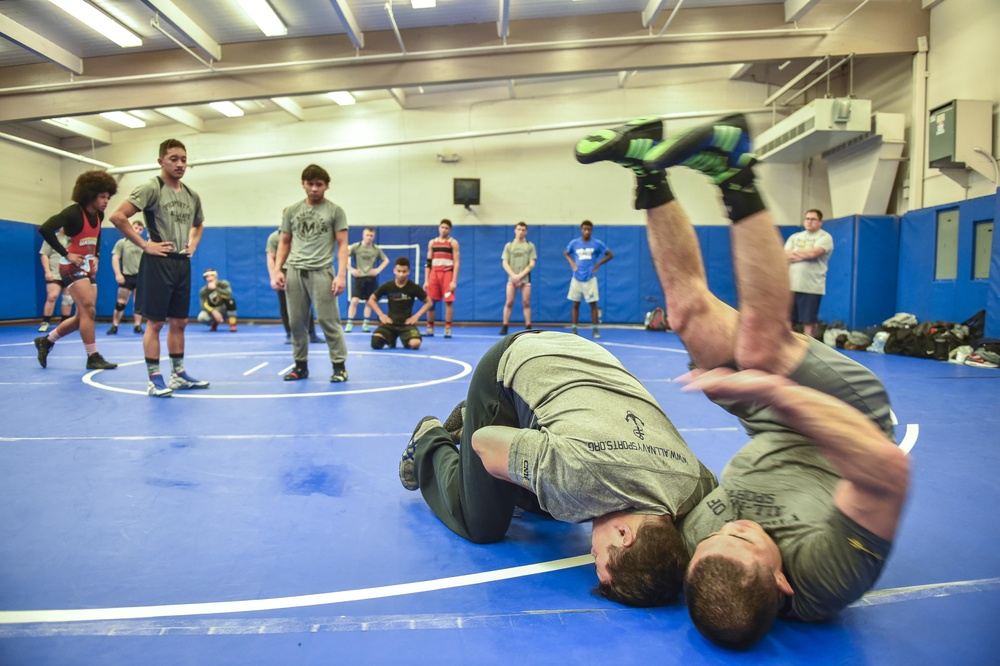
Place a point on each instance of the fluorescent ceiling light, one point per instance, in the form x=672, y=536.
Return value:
x=423, y=4
x=227, y=109
x=100, y=22
x=342, y=97
x=265, y=18
x=126, y=119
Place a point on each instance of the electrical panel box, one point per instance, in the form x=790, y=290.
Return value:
x=956, y=130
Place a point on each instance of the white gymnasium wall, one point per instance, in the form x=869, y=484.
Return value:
x=31, y=184
x=963, y=63
x=526, y=176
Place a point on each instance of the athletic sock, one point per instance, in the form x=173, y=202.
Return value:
x=53, y=335
x=740, y=195
x=90, y=349
x=177, y=363
x=152, y=366
x=652, y=191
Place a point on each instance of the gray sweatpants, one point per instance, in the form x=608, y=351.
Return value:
x=311, y=288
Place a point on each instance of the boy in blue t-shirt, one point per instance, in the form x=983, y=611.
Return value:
x=585, y=255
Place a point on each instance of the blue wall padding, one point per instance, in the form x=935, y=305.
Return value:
x=918, y=292
x=876, y=270
x=864, y=286
x=24, y=293
x=993, y=298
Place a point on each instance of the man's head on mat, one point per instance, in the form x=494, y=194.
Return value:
x=640, y=558
x=735, y=585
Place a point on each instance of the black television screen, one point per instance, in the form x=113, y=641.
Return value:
x=467, y=192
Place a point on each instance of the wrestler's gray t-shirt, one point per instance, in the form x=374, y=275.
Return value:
x=594, y=440
x=131, y=256
x=781, y=481
x=313, y=230
x=519, y=256
x=169, y=215
x=272, y=242
x=365, y=256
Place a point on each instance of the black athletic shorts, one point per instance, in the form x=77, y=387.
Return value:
x=130, y=282
x=163, y=290
x=364, y=287
x=805, y=307
x=404, y=332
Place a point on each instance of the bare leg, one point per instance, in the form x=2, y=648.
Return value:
x=594, y=313
x=123, y=295
x=576, y=313
x=526, y=303
x=85, y=295
x=352, y=309
x=508, y=305
x=707, y=326
x=449, y=313
x=151, y=339
x=765, y=340
x=52, y=293
x=175, y=335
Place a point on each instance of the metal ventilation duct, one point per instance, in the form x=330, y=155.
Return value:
x=818, y=127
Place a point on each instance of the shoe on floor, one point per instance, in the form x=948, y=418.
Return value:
x=288, y=339
x=366, y=328
x=983, y=359
x=429, y=333
x=453, y=424
x=503, y=330
x=138, y=330
x=183, y=381
x=407, y=473
x=338, y=376
x=96, y=362
x=214, y=326
x=113, y=330
x=597, y=334
x=157, y=387
x=232, y=328
x=447, y=331
x=348, y=327
x=296, y=374
x=43, y=346
x=315, y=339
x=44, y=327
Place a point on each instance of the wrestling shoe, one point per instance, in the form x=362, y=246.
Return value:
x=43, y=346
x=503, y=330
x=597, y=334
x=407, y=473
x=447, y=331
x=574, y=330
x=157, y=388
x=44, y=327
x=365, y=327
x=182, y=381
x=429, y=333
x=96, y=362
x=232, y=328
x=113, y=330
x=138, y=330
x=626, y=145
x=288, y=339
x=348, y=327
x=527, y=328
x=297, y=373
x=214, y=326
x=315, y=339
x=453, y=424
x=339, y=375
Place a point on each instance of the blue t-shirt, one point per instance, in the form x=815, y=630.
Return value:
x=585, y=254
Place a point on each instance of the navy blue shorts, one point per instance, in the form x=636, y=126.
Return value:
x=805, y=307
x=164, y=287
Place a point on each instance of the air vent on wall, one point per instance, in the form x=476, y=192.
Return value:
x=820, y=126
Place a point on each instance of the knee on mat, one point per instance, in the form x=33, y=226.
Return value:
x=378, y=342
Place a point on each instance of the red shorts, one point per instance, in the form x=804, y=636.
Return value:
x=439, y=285
x=70, y=273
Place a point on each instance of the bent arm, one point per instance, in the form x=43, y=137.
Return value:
x=492, y=443
x=875, y=472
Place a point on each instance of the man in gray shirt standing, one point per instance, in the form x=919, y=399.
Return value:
x=808, y=253
x=319, y=227
x=804, y=517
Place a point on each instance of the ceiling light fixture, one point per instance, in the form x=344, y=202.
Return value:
x=126, y=119
x=227, y=109
x=264, y=16
x=423, y=4
x=93, y=18
x=342, y=97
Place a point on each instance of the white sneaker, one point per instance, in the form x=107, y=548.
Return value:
x=44, y=327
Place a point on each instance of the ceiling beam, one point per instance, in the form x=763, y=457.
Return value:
x=796, y=9
x=182, y=116
x=503, y=22
x=186, y=25
x=290, y=106
x=79, y=127
x=399, y=95
x=349, y=22
x=652, y=11
x=35, y=43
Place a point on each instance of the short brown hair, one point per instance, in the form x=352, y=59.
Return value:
x=732, y=606
x=818, y=212
x=650, y=572
x=315, y=172
x=522, y=224
x=91, y=183
x=448, y=222
x=171, y=143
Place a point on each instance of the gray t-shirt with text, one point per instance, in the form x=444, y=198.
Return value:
x=130, y=256
x=366, y=257
x=519, y=256
x=313, y=230
x=169, y=215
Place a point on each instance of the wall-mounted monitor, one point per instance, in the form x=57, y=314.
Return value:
x=466, y=192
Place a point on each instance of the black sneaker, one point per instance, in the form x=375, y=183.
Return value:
x=43, y=346
x=407, y=473
x=138, y=330
x=96, y=362
x=453, y=424
x=503, y=330
x=720, y=150
x=297, y=373
x=339, y=375
x=626, y=145
x=113, y=330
